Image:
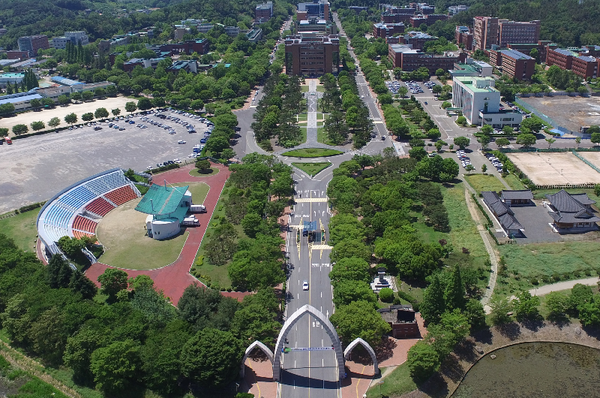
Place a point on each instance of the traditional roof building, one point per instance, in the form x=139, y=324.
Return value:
x=572, y=211
x=402, y=320
x=503, y=213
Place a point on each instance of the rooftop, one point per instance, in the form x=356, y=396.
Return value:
x=515, y=54
x=161, y=200
x=477, y=84
x=565, y=52
x=23, y=98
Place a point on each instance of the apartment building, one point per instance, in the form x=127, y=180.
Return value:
x=490, y=31
x=581, y=62
x=317, y=8
x=585, y=66
x=513, y=63
x=409, y=59
x=417, y=39
x=479, y=102
x=31, y=44
x=263, y=12
x=312, y=54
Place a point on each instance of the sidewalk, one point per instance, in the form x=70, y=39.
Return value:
x=556, y=287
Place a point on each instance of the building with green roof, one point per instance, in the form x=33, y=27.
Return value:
x=167, y=208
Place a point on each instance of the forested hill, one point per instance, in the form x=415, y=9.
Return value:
x=566, y=22
x=54, y=17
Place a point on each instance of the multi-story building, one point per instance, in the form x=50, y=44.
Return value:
x=263, y=12
x=409, y=59
x=254, y=35
x=12, y=78
x=313, y=24
x=453, y=10
x=472, y=68
x=188, y=47
x=387, y=29
x=312, y=54
x=318, y=8
x=513, y=63
x=16, y=54
x=76, y=38
x=541, y=46
x=417, y=20
x=433, y=18
x=581, y=61
x=490, y=31
x=510, y=32
x=31, y=44
x=417, y=39
x=463, y=36
x=396, y=18
x=190, y=66
x=479, y=102
x=232, y=31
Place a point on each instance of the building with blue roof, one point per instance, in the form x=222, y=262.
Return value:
x=21, y=100
x=513, y=63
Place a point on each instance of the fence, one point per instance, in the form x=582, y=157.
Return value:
x=539, y=114
x=584, y=160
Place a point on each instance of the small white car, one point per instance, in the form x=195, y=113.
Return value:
x=181, y=142
x=305, y=285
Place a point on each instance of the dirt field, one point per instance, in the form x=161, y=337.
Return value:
x=568, y=112
x=554, y=168
x=124, y=237
x=592, y=157
x=62, y=111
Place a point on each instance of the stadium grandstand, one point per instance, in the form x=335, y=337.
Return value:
x=76, y=210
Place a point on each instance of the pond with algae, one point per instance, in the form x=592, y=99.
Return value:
x=550, y=370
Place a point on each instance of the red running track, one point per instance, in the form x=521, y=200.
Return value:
x=174, y=278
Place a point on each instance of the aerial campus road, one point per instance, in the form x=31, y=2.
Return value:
x=309, y=373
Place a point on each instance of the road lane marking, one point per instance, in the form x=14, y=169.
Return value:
x=358, y=382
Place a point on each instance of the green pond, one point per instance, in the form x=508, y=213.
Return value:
x=549, y=370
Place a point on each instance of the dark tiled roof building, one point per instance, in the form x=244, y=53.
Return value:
x=572, y=211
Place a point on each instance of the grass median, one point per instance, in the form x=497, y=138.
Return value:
x=312, y=153
x=312, y=169
x=484, y=182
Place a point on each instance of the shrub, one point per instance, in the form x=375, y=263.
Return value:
x=386, y=295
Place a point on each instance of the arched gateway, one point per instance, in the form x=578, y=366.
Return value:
x=291, y=321
x=369, y=349
x=251, y=347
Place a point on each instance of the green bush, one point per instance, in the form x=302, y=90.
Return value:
x=386, y=295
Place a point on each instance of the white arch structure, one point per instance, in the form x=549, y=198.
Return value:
x=369, y=349
x=251, y=347
x=291, y=321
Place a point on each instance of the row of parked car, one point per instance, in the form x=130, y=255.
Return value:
x=393, y=86
x=464, y=159
x=495, y=161
x=414, y=87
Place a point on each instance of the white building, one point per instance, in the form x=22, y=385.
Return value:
x=479, y=101
x=73, y=37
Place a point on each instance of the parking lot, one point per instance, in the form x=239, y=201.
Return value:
x=36, y=168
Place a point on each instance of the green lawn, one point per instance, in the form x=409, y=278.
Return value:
x=463, y=231
x=395, y=384
x=21, y=228
x=304, y=88
x=545, y=263
x=302, y=117
x=312, y=169
x=217, y=275
x=16, y=382
x=312, y=153
x=322, y=136
x=213, y=171
x=484, y=182
x=320, y=88
x=125, y=241
x=514, y=182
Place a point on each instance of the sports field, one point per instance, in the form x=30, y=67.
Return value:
x=592, y=157
x=554, y=168
x=569, y=112
x=122, y=233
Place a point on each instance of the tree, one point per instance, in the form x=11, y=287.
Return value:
x=76, y=96
x=78, y=352
x=87, y=95
x=3, y=132
x=211, y=358
x=101, y=113
x=71, y=118
x=35, y=103
x=487, y=129
x=63, y=99
x=54, y=122
x=116, y=367
x=113, y=281
x=589, y=313
x=38, y=126
x=350, y=268
x=578, y=141
x=557, y=305
x=360, y=319
x=501, y=307
x=433, y=134
x=532, y=123
x=446, y=105
x=433, y=305
x=48, y=336
x=386, y=295
x=116, y=112
x=501, y=142
x=526, y=140
x=550, y=141
x=20, y=129
x=454, y=294
x=423, y=361
x=462, y=142
x=402, y=91
x=7, y=109
x=144, y=104
x=220, y=246
x=484, y=140
x=130, y=107
x=595, y=138
x=203, y=166
x=86, y=117
x=15, y=319
x=461, y=121
x=346, y=292
x=526, y=306
x=483, y=168
x=507, y=129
